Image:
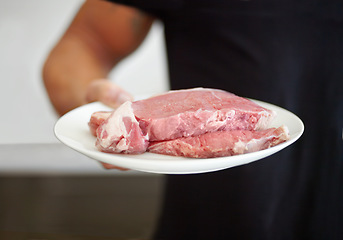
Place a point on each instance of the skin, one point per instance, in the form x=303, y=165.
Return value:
x=99, y=37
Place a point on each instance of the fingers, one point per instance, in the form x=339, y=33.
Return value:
x=107, y=92
x=110, y=166
x=111, y=95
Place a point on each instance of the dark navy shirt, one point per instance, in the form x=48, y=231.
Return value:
x=289, y=53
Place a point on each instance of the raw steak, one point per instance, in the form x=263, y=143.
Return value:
x=221, y=143
x=97, y=119
x=193, y=112
x=120, y=132
x=178, y=114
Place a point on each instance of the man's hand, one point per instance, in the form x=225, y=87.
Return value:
x=107, y=92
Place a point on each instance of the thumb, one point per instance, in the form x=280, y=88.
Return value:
x=107, y=92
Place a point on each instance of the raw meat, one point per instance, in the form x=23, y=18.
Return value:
x=193, y=112
x=96, y=120
x=178, y=114
x=221, y=143
x=120, y=132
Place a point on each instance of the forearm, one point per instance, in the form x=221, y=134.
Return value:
x=69, y=69
x=99, y=37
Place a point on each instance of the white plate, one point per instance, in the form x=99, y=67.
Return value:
x=72, y=130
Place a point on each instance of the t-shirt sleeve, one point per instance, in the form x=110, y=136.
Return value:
x=154, y=7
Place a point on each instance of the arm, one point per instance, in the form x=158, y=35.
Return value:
x=100, y=35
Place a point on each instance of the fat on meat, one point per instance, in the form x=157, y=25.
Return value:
x=221, y=143
x=120, y=132
x=177, y=114
x=97, y=118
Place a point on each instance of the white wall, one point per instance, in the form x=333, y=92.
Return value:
x=28, y=30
